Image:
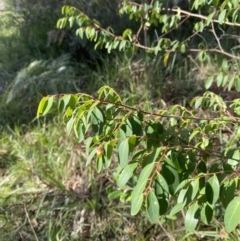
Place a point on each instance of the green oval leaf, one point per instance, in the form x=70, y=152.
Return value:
x=152, y=207
x=48, y=104
x=69, y=125
x=221, y=16
x=198, y=102
x=162, y=193
x=228, y=192
x=232, y=217
x=97, y=120
x=195, y=188
x=182, y=185
x=42, y=106
x=212, y=190
x=115, y=194
x=219, y=79
x=108, y=147
x=99, y=163
x=123, y=153
x=90, y=157
x=237, y=84
x=126, y=174
x=206, y=213
x=136, y=204
x=170, y=174
x=137, y=193
x=177, y=208
x=192, y=216
x=231, y=82
x=161, y=183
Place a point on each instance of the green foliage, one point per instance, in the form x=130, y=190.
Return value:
x=174, y=159
x=231, y=217
x=168, y=24
x=173, y=154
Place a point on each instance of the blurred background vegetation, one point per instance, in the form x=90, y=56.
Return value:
x=46, y=192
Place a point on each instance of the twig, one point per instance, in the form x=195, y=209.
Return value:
x=172, y=29
x=34, y=233
x=189, y=14
x=216, y=37
x=216, y=51
x=166, y=232
x=235, y=120
x=200, y=16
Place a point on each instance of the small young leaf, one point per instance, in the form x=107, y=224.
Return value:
x=177, y=208
x=194, y=133
x=80, y=130
x=115, y=194
x=108, y=148
x=183, y=184
x=225, y=65
x=165, y=60
x=71, y=21
x=195, y=188
x=198, y=102
x=88, y=144
x=49, y=105
x=99, y=163
x=90, y=157
x=126, y=174
x=132, y=140
x=225, y=81
x=42, y=106
x=237, y=84
x=235, y=14
x=210, y=17
x=183, y=48
x=205, y=143
x=122, y=45
x=123, y=152
x=115, y=44
x=219, y=79
x=181, y=196
x=127, y=129
x=231, y=82
x=222, y=15
x=69, y=125
x=152, y=157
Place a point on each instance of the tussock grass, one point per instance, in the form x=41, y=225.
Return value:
x=39, y=162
